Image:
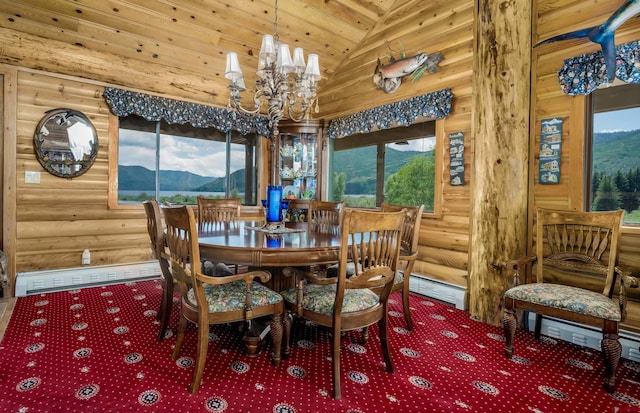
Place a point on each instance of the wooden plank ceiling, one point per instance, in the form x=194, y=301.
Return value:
x=193, y=36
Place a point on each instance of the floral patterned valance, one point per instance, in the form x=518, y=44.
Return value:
x=581, y=75
x=434, y=105
x=154, y=108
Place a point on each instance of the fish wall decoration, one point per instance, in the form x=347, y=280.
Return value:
x=604, y=34
x=389, y=77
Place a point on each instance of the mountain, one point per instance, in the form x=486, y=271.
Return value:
x=613, y=151
x=143, y=179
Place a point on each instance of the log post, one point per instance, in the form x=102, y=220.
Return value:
x=501, y=105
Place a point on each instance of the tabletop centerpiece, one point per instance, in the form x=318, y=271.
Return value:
x=275, y=209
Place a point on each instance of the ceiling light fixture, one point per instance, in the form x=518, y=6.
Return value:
x=283, y=94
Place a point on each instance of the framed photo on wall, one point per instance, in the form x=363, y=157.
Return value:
x=550, y=150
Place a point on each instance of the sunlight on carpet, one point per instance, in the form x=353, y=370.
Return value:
x=94, y=350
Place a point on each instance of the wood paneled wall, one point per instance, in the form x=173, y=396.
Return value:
x=58, y=218
x=552, y=17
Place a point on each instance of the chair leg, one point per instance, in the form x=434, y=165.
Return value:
x=365, y=335
x=405, y=302
x=509, y=327
x=166, y=306
x=383, y=330
x=276, y=337
x=287, y=322
x=182, y=326
x=201, y=355
x=538, y=327
x=611, y=352
x=336, y=363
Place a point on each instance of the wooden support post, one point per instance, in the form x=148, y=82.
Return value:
x=501, y=105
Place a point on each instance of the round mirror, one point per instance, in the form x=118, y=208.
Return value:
x=66, y=143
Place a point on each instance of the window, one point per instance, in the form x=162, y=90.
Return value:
x=176, y=163
x=397, y=166
x=614, y=159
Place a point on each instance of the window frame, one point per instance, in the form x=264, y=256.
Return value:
x=112, y=191
x=610, y=103
x=378, y=138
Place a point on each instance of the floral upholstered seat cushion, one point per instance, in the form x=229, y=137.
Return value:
x=399, y=278
x=320, y=298
x=231, y=297
x=577, y=300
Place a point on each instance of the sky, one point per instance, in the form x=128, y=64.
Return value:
x=201, y=157
x=619, y=120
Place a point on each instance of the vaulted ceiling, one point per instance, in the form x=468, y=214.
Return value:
x=178, y=47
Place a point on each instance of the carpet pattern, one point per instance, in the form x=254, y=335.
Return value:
x=94, y=350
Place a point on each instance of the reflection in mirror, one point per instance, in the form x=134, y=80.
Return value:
x=66, y=143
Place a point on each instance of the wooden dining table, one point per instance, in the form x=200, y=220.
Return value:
x=243, y=243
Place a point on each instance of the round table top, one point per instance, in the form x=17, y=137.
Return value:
x=238, y=243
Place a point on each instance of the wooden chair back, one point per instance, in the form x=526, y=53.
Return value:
x=215, y=211
x=154, y=227
x=578, y=244
x=325, y=216
x=411, y=226
x=371, y=240
x=159, y=249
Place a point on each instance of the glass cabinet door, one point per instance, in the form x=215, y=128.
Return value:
x=298, y=165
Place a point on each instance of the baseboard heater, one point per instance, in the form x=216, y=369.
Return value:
x=449, y=293
x=585, y=336
x=35, y=282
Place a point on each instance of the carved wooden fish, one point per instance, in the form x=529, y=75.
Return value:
x=388, y=77
x=604, y=34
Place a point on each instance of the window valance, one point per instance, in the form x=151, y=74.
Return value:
x=434, y=105
x=582, y=74
x=155, y=108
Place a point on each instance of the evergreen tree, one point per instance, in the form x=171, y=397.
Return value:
x=339, y=185
x=595, y=182
x=608, y=196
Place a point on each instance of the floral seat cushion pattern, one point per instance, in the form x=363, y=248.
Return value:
x=231, y=297
x=577, y=300
x=320, y=298
x=399, y=278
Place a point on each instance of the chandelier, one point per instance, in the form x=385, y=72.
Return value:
x=286, y=86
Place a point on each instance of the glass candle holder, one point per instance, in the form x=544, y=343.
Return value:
x=273, y=209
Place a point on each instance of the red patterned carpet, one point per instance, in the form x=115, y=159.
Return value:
x=94, y=350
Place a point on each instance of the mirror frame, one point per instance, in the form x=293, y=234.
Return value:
x=55, y=119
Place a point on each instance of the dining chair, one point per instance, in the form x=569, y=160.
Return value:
x=325, y=216
x=213, y=213
x=209, y=300
x=371, y=239
x=160, y=253
x=408, y=252
x=575, y=276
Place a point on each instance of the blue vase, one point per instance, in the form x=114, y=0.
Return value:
x=274, y=196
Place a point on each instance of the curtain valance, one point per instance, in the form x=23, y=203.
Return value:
x=434, y=105
x=155, y=108
x=582, y=74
